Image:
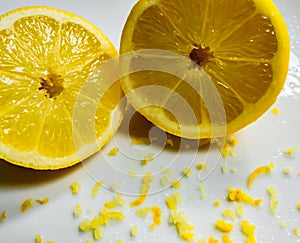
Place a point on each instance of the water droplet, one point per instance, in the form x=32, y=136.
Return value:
x=6, y=131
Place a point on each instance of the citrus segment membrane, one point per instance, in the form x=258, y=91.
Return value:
x=242, y=46
x=46, y=56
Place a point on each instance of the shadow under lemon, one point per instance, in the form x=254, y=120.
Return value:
x=11, y=174
x=140, y=134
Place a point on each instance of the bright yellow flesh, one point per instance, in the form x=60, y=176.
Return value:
x=248, y=51
x=38, y=44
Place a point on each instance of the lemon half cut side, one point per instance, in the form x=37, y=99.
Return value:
x=46, y=57
x=242, y=46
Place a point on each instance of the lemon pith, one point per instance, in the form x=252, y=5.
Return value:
x=46, y=56
x=243, y=46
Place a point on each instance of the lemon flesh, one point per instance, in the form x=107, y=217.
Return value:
x=46, y=57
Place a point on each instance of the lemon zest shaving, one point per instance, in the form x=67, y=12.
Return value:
x=113, y=151
x=229, y=214
x=176, y=184
x=3, y=216
x=38, y=238
x=75, y=187
x=212, y=240
x=201, y=166
x=223, y=226
x=276, y=111
x=239, y=211
x=258, y=171
x=226, y=239
x=27, y=204
x=156, y=216
x=273, y=200
x=77, y=210
x=248, y=230
x=134, y=231
x=240, y=196
x=96, y=188
x=42, y=201
x=147, y=179
x=143, y=212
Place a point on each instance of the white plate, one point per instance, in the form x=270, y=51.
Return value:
x=259, y=144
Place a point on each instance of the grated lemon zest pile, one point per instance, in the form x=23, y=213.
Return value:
x=258, y=171
x=75, y=187
x=273, y=200
x=181, y=222
x=89, y=241
x=104, y=218
x=119, y=241
x=27, y=204
x=223, y=226
x=96, y=188
x=240, y=196
x=147, y=179
x=113, y=151
x=3, y=216
x=248, y=230
x=77, y=210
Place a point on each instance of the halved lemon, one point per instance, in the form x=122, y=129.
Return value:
x=48, y=59
x=240, y=47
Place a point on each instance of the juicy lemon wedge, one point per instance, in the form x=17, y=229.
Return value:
x=234, y=61
x=46, y=57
